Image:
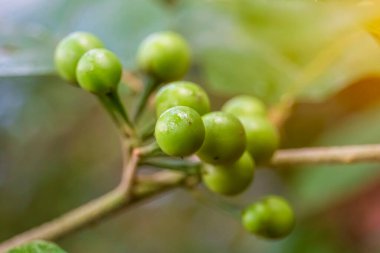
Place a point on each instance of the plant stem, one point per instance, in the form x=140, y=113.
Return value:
x=327, y=155
x=114, y=114
x=150, y=86
x=187, y=166
x=114, y=99
x=215, y=203
x=148, y=185
x=147, y=130
x=97, y=209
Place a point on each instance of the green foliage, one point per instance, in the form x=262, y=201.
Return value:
x=37, y=247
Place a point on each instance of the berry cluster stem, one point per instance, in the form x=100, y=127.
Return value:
x=150, y=85
x=134, y=189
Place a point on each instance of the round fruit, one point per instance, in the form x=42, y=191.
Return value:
x=225, y=139
x=179, y=131
x=99, y=71
x=69, y=51
x=245, y=105
x=262, y=137
x=182, y=93
x=164, y=55
x=272, y=217
x=229, y=179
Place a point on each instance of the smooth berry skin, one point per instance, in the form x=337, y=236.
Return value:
x=245, y=105
x=230, y=179
x=262, y=137
x=179, y=131
x=99, y=71
x=164, y=55
x=225, y=139
x=70, y=49
x=271, y=217
x=182, y=93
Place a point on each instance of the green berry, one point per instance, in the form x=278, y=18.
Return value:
x=229, y=179
x=272, y=217
x=245, y=105
x=182, y=93
x=179, y=131
x=262, y=137
x=99, y=71
x=225, y=139
x=164, y=55
x=70, y=49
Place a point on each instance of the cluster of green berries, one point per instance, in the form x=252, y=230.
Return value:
x=228, y=142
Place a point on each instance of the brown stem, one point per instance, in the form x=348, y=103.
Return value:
x=97, y=209
x=150, y=185
x=327, y=155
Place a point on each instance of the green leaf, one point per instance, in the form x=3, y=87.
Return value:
x=288, y=48
x=38, y=247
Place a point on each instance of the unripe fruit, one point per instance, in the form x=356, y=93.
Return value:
x=179, y=131
x=225, y=139
x=229, y=179
x=262, y=137
x=99, y=71
x=271, y=217
x=245, y=105
x=70, y=49
x=182, y=93
x=164, y=55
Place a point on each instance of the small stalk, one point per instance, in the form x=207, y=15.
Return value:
x=149, y=86
x=112, y=112
x=213, y=202
x=147, y=131
x=118, y=106
x=187, y=166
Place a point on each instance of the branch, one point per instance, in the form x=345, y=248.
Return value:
x=98, y=209
x=327, y=155
x=150, y=185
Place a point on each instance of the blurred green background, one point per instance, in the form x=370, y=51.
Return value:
x=58, y=148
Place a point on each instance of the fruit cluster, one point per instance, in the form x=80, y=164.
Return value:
x=228, y=143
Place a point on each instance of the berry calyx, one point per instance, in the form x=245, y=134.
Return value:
x=70, y=49
x=99, y=71
x=182, y=93
x=164, y=55
x=179, y=131
x=230, y=179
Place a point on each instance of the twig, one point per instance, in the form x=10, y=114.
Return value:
x=97, y=209
x=150, y=85
x=327, y=155
x=149, y=185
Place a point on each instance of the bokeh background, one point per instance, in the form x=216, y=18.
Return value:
x=58, y=148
